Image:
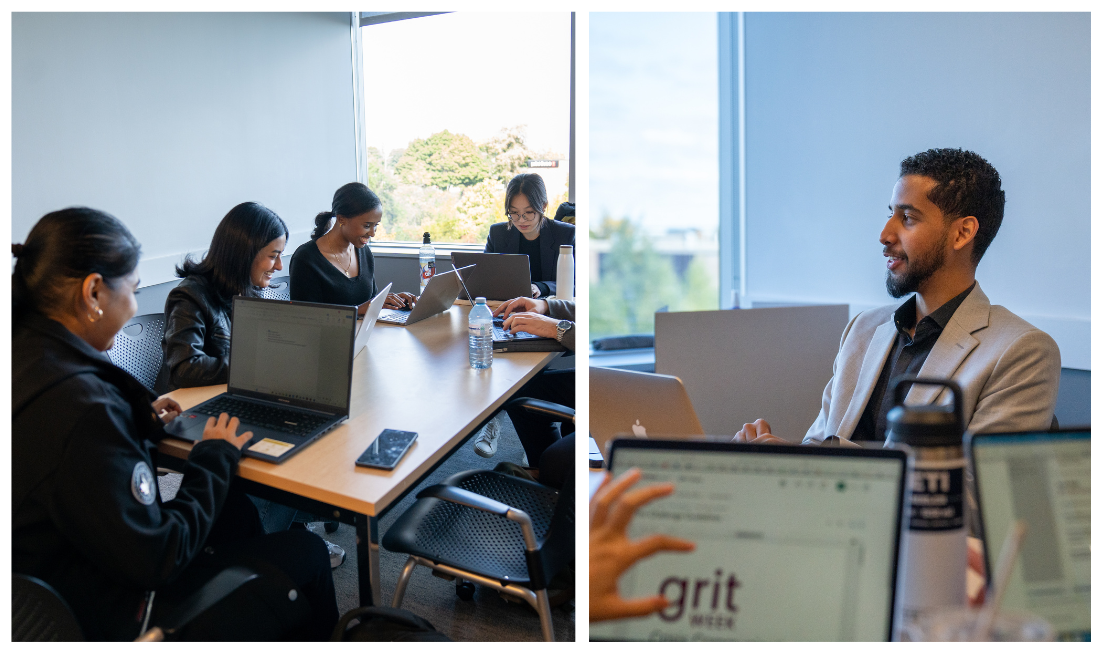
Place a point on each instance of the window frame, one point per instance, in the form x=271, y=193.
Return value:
x=360, y=19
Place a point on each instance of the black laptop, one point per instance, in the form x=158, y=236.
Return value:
x=290, y=376
x=793, y=543
x=496, y=276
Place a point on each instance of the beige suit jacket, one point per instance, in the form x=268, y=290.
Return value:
x=1007, y=369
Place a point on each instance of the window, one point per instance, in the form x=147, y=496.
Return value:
x=457, y=104
x=654, y=177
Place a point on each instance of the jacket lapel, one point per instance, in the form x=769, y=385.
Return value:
x=879, y=346
x=549, y=256
x=953, y=346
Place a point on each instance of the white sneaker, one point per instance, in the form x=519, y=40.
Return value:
x=486, y=445
x=336, y=555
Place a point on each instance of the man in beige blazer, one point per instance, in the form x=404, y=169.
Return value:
x=946, y=208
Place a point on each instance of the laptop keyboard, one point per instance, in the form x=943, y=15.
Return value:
x=270, y=417
x=395, y=315
x=501, y=334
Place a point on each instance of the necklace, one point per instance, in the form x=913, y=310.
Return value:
x=348, y=266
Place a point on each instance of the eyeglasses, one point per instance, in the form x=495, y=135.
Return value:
x=527, y=216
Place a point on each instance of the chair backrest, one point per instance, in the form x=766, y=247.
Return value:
x=279, y=288
x=138, y=348
x=39, y=614
x=557, y=549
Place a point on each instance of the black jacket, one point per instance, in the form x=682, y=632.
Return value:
x=196, y=343
x=86, y=517
x=502, y=240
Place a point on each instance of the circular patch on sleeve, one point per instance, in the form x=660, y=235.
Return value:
x=142, y=484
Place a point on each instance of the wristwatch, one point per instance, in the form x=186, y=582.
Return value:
x=561, y=329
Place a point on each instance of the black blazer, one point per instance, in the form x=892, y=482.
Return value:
x=552, y=234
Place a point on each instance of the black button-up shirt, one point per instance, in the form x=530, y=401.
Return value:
x=907, y=357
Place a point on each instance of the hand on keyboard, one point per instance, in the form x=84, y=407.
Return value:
x=225, y=428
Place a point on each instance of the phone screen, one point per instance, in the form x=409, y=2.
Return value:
x=387, y=449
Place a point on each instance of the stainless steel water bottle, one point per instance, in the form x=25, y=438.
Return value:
x=933, y=548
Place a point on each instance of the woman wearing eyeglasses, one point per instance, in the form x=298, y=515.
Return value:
x=529, y=232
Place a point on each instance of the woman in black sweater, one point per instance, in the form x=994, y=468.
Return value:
x=336, y=266
x=530, y=232
x=86, y=514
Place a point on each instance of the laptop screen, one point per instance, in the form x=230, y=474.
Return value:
x=300, y=352
x=792, y=543
x=1044, y=479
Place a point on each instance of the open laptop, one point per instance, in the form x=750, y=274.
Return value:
x=641, y=404
x=290, y=376
x=496, y=276
x=1043, y=478
x=511, y=341
x=792, y=543
x=439, y=295
x=364, y=325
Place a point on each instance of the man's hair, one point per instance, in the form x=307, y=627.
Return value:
x=967, y=185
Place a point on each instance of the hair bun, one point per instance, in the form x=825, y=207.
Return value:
x=17, y=249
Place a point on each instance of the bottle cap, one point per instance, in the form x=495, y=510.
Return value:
x=566, y=247
x=425, y=237
x=480, y=300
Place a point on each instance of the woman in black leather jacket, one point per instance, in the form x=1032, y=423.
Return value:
x=87, y=517
x=245, y=253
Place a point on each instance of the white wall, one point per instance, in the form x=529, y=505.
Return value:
x=834, y=102
x=169, y=120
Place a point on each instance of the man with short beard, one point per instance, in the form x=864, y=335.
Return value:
x=945, y=209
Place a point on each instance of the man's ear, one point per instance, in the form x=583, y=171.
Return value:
x=965, y=231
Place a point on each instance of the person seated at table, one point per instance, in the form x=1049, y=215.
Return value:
x=336, y=265
x=529, y=232
x=611, y=552
x=548, y=445
x=245, y=252
x=86, y=515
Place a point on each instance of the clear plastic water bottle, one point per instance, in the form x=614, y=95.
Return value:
x=480, y=335
x=427, y=258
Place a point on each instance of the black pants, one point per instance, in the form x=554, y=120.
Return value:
x=237, y=538
x=535, y=432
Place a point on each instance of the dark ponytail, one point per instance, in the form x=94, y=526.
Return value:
x=67, y=246
x=321, y=224
x=350, y=201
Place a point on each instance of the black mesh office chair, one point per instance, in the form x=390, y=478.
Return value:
x=507, y=533
x=40, y=614
x=279, y=288
x=138, y=348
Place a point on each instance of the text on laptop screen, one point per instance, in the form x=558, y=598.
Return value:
x=1046, y=481
x=789, y=547
x=297, y=352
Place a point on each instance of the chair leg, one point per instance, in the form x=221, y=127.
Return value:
x=544, y=610
x=403, y=581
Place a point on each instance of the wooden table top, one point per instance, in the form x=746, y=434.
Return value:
x=413, y=378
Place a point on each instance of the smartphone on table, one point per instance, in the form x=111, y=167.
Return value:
x=387, y=449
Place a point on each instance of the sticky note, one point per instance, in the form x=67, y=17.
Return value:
x=271, y=447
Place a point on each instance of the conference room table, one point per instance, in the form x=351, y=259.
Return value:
x=412, y=378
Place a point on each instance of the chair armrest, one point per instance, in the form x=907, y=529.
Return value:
x=479, y=502
x=225, y=583
x=541, y=407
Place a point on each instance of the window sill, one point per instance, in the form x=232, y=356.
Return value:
x=410, y=250
x=639, y=360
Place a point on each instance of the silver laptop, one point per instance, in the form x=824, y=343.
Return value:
x=640, y=404
x=496, y=276
x=290, y=376
x=1043, y=478
x=792, y=543
x=439, y=295
x=365, y=325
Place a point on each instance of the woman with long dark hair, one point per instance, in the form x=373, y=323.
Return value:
x=336, y=266
x=246, y=251
x=528, y=231
x=86, y=515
